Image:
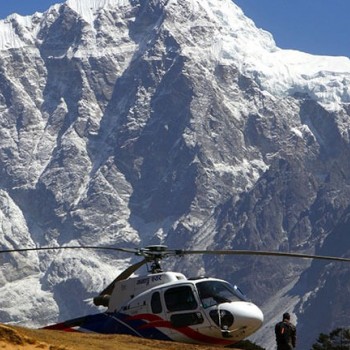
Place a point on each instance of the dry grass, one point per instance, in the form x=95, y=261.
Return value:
x=17, y=338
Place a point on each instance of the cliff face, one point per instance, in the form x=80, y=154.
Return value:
x=130, y=123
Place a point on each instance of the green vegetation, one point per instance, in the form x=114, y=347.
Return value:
x=339, y=339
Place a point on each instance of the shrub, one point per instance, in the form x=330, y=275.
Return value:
x=339, y=339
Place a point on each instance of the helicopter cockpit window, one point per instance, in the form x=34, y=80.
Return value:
x=217, y=292
x=180, y=298
x=156, y=304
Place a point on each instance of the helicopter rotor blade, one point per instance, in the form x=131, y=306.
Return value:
x=162, y=251
x=261, y=253
x=103, y=298
x=124, y=275
x=126, y=250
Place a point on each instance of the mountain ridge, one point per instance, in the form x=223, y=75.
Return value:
x=126, y=124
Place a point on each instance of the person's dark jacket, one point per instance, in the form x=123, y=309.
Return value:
x=286, y=335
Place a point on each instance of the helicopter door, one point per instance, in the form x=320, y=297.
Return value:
x=156, y=304
x=182, y=307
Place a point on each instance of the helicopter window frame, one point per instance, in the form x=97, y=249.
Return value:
x=180, y=298
x=216, y=292
x=156, y=303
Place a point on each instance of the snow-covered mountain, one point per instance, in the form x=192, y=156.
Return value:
x=135, y=122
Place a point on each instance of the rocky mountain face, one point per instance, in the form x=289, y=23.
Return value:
x=135, y=122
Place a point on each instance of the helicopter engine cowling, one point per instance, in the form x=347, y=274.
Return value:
x=102, y=300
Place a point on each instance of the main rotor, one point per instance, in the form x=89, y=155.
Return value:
x=154, y=254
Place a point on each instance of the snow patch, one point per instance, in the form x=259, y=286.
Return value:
x=88, y=9
x=24, y=302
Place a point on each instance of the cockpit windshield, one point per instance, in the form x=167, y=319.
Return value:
x=217, y=292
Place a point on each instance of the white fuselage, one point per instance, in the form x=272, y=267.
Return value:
x=178, y=308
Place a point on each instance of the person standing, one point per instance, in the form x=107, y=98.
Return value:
x=286, y=334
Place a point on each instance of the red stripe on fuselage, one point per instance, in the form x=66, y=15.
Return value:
x=157, y=322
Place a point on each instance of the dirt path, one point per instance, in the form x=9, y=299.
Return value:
x=17, y=338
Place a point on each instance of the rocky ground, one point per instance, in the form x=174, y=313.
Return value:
x=16, y=338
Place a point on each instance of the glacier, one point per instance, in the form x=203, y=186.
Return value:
x=134, y=122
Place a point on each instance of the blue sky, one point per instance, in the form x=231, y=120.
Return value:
x=314, y=26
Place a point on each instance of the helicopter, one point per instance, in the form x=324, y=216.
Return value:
x=167, y=305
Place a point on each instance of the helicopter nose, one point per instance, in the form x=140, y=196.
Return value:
x=246, y=315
